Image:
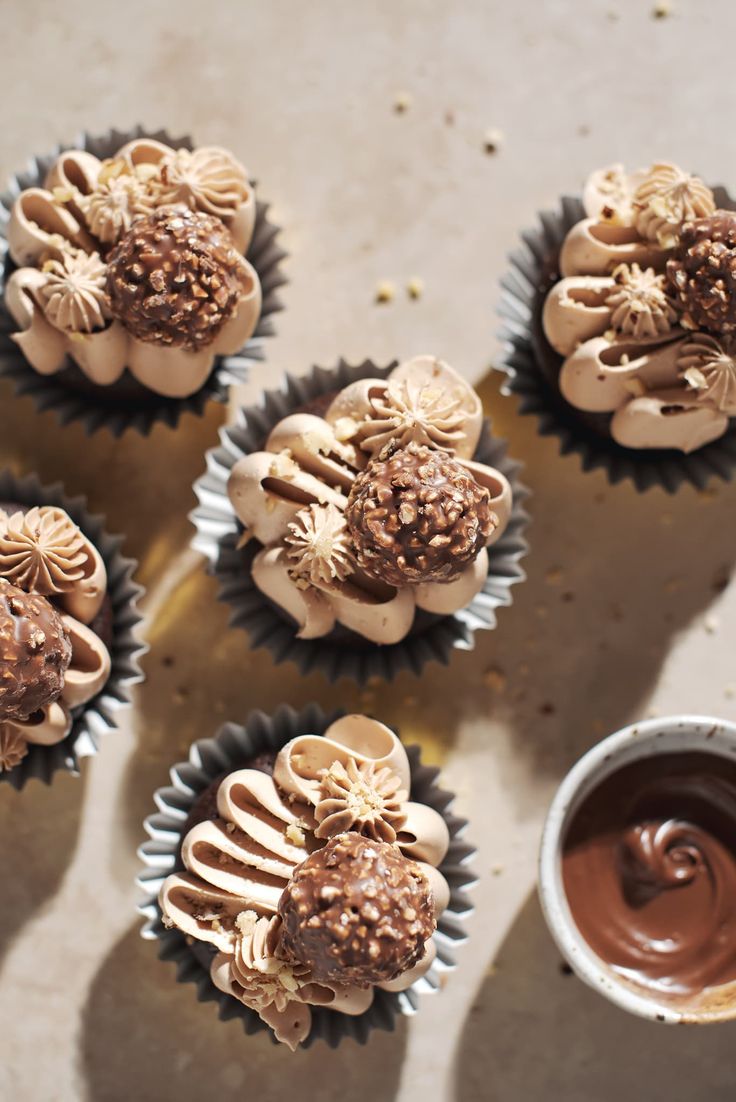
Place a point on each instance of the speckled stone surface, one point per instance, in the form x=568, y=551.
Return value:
x=628, y=606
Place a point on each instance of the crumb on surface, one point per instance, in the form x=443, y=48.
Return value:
x=495, y=679
x=493, y=139
x=385, y=291
x=554, y=575
x=402, y=102
x=711, y=624
x=661, y=9
x=415, y=287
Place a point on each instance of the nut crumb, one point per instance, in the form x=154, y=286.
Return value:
x=385, y=291
x=415, y=287
x=402, y=102
x=295, y=835
x=711, y=624
x=495, y=679
x=496, y=870
x=493, y=139
x=661, y=9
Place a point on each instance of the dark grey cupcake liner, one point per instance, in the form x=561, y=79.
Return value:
x=127, y=403
x=232, y=748
x=432, y=638
x=98, y=717
x=532, y=369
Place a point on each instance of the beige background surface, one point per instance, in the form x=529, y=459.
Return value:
x=627, y=609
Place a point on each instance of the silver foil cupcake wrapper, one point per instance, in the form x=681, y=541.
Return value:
x=532, y=367
x=219, y=531
x=97, y=718
x=127, y=403
x=232, y=748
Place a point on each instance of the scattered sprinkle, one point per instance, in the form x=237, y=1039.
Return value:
x=493, y=139
x=385, y=291
x=402, y=102
x=415, y=287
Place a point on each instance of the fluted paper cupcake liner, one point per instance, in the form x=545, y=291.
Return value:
x=97, y=718
x=127, y=403
x=432, y=638
x=532, y=368
x=233, y=747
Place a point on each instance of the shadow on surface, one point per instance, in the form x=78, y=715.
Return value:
x=39, y=828
x=535, y=1033
x=613, y=578
x=145, y=1037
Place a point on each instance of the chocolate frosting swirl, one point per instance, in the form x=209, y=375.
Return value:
x=42, y=551
x=649, y=869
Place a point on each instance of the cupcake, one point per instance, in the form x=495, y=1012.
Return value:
x=307, y=882
x=128, y=282
x=633, y=345
x=65, y=634
x=372, y=516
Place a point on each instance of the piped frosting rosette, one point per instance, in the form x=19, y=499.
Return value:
x=67, y=618
x=372, y=516
x=316, y=895
x=637, y=336
x=130, y=273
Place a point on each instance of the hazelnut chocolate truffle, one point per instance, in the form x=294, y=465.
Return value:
x=702, y=274
x=175, y=277
x=356, y=911
x=417, y=516
x=36, y=652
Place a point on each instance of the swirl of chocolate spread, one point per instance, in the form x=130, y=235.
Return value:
x=649, y=870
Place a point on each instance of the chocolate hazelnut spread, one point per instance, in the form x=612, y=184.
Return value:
x=649, y=870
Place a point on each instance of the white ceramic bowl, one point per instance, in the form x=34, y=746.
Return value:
x=673, y=734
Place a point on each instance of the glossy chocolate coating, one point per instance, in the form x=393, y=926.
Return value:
x=356, y=911
x=175, y=278
x=649, y=870
x=35, y=652
x=416, y=516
